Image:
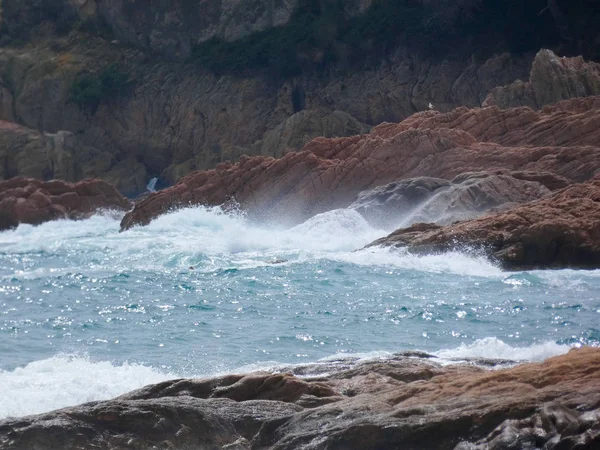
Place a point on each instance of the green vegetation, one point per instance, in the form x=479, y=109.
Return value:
x=319, y=34
x=89, y=89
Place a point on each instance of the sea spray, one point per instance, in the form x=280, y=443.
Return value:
x=200, y=292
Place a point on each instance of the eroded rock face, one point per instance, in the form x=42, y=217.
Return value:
x=32, y=154
x=175, y=118
x=61, y=155
x=407, y=402
x=329, y=173
x=558, y=231
x=435, y=200
x=552, y=79
x=25, y=200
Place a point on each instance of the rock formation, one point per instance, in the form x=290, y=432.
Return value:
x=329, y=173
x=441, y=201
x=174, y=118
x=558, y=231
x=44, y=156
x=552, y=79
x=403, y=402
x=165, y=112
x=25, y=200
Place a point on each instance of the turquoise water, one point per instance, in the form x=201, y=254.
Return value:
x=88, y=313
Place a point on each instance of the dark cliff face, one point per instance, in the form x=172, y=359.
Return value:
x=333, y=28
x=163, y=88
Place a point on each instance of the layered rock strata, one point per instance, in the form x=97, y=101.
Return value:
x=163, y=110
x=25, y=200
x=329, y=173
x=558, y=231
x=552, y=79
x=173, y=118
x=404, y=402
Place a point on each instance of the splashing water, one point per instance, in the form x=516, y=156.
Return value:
x=199, y=292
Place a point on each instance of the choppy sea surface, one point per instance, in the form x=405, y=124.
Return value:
x=88, y=313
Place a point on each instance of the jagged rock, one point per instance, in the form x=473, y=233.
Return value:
x=25, y=200
x=175, y=118
x=329, y=173
x=557, y=231
x=568, y=123
x=404, y=402
x=552, y=79
x=469, y=195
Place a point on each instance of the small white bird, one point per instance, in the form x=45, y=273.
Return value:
x=430, y=106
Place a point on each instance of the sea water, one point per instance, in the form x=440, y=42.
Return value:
x=88, y=313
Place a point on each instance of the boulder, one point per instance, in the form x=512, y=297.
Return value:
x=558, y=231
x=404, y=402
x=25, y=200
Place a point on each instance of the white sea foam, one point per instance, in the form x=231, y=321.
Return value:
x=67, y=380
x=450, y=262
x=64, y=381
x=188, y=236
x=493, y=348
x=211, y=241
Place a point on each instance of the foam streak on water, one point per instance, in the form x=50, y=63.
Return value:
x=199, y=292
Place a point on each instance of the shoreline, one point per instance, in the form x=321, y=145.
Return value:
x=374, y=404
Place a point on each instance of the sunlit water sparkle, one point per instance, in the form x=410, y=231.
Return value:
x=88, y=313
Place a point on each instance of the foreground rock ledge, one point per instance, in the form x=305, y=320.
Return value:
x=25, y=200
x=405, y=402
x=558, y=231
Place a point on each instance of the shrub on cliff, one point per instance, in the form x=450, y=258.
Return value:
x=89, y=90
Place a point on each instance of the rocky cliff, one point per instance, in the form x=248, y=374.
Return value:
x=405, y=402
x=155, y=89
x=330, y=173
x=171, y=118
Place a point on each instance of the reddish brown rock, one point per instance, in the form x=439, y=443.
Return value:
x=561, y=230
x=329, y=173
x=25, y=200
x=404, y=402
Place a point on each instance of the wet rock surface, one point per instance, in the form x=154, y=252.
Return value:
x=441, y=201
x=25, y=200
x=403, y=402
x=561, y=230
x=559, y=143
